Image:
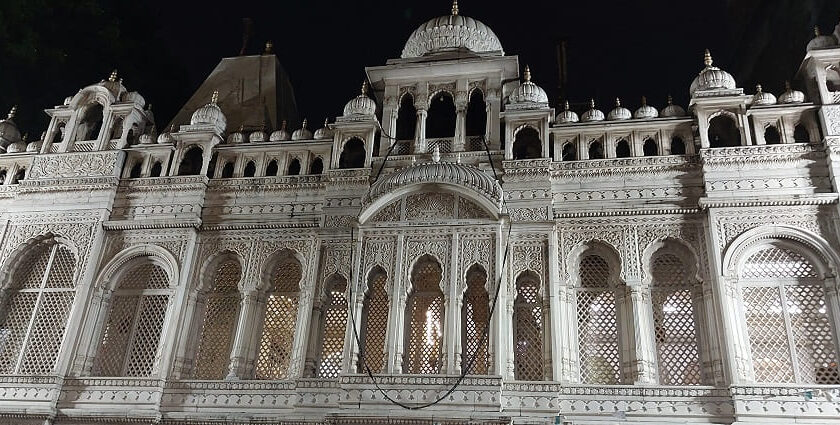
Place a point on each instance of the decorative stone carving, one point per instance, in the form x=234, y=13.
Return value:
x=76, y=164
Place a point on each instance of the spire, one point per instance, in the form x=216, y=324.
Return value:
x=455, y=7
x=304, y=123
x=566, y=106
x=592, y=103
x=527, y=74
x=113, y=76
x=215, y=97
x=617, y=102
x=364, y=88
x=707, y=58
x=268, y=46
x=326, y=122
x=644, y=101
x=12, y=113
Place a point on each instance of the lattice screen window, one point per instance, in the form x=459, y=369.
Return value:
x=220, y=318
x=281, y=310
x=374, y=323
x=597, y=328
x=788, y=324
x=528, y=356
x=424, y=345
x=134, y=323
x=33, y=317
x=674, y=321
x=475, y=317
x=334, y=327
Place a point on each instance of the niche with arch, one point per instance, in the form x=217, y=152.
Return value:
x=724, y=132
x=527, y=144
x=441, y=118
x=353, y=154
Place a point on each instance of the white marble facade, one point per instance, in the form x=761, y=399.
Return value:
x=654, y=266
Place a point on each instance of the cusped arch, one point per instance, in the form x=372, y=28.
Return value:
x=210, y=265
x=269, y=265
x=92, y=94
x=111, y=273
x=16, y=256
x=409, y=284
x=814, y=247
x=601, y=248
x=674, y=246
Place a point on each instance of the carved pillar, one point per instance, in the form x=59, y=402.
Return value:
x=420, y=131
x=556, y=320
x=494, y=108
x=355, y=303
x=176, y=311
x=637, y=315
x=396, y=317
x=453, y=312
x=316, y=333
x=185, y=352
x=97, y=315
x=241, y=360
x=832, y=302
x=303, y=324
x=460, y=122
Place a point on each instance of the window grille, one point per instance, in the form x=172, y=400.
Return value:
x=475, y=316
x=375, y=319
x=133, y=327
x=425, y=310
x=276, y=343
x=335, y=325
x=528, y=330
x=597, y=327
x=33, y=318
x=674, y=322
x=789, y=328
x=220, y=318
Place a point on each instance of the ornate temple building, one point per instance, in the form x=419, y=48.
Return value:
x=450, y=250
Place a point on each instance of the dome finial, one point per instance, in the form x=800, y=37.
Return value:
x=592, y=103
x=527, y=73
x=326, y=122
x=566, y=106
x=364, y=88
x=816, y=30
x=12, y=112
x=305, y=122
x=644, y=100
x=113, y=76
x=436, y=153
x=283, y=125
x=670, y=100
x=758, y=88
x=787, y=84
x=268, y=46
x=215, y=97
x=707, y=58
x=617, y=102
x=455, y=7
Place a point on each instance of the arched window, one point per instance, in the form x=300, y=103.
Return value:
x=191, y=162
x=333, y=327
x=596, y=150
x=772, y=136
x=569, y=152
x=157, y=168
x=526, y=144
x=677, y=146
x=790, y=331
x=281, y=308
x=528, y=329
x=622, y=149
x=58, y=135
x=650, y=148
x=406, y=118
x=800, y=134
x=250, y=169
x=597, y=326
x=353, y=154
x=90, y=123
x=272, y=168
x=672, y=295
x=134, y=324
x=117, y=128
x=832, y=79
x=374, y=323
x=476, y=124
x=294, y=167
x=211, y=167
x=475, y=317
x=441, y=117
x=35, y=309
x=3, y=174
x=317, y=166
x=136, y=170
x=19, y=175
x=227, y=170
x=424, y=319
x=221, y=313
x=131, y=136
x=723, y=132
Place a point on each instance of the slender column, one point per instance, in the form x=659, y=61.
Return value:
x=555, y=319
x=394, y=347
x=101, y=304
x=185, y=353
x=637, y=313
x=453, y=312
x=316, y=332
x=355, y=304
x=492, y=134
x=420, y=131
x=240, y=361
x=460, y=127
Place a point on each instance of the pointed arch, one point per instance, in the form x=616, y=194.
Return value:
x=475, y=319
x=282, y=298
x=375, y=312
x=425, y=318
x=333, y=326
x=528, y=329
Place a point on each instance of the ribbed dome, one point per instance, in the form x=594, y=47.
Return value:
x=165, y=138
x=566, y=115
x=528, y=92
x=761, y=98
x=302, y=133
x=280, y=135
x=712, y=78
x=146, y=139
x=451, y=32
x=16, y=147
x=258, y=136
x=324, y=132
x=237, y=136
x=592, y=114
x=645, y=111
x=619, y=112
x=790, y=95
x=33, y=147
x=361, y=104
x=672, y=110
x=821, y=41
x=210, y=114
x=9, y=132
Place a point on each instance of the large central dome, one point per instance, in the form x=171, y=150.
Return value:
x=451, y=32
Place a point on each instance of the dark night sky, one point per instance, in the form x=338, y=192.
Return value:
x=50, y=49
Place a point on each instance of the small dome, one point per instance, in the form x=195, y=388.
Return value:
x=34, y=147
x=672, y=110
x=528, y=92
x=451, y=32
x=761, y=98
x=592, y=114
x=146, y=139
x=237, y=136
x=9, y=132
x=619, y=112
x=712, y=77
x=566, y=115
x=302, y=133
x=790, y=95
x=258, y=136
x=325, y=132
x=645, y=111
x=210, y=114
x=280, y=135
x=361, y=104
x=821, y=41
x=16, y=147
x=165, y=137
